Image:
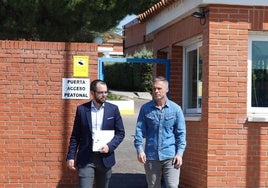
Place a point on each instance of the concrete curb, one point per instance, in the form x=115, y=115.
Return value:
x=128, y=106
x=125, y=106
x=129, y=94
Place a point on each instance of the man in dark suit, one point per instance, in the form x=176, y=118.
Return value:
x=96, y=115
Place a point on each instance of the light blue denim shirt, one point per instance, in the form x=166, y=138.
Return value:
x=164, y=131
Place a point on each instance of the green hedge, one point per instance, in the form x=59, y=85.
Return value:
x=128, y=76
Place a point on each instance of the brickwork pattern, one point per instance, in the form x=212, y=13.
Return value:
x=35, y=123
x=223, y=149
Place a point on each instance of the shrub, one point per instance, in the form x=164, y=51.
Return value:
x=130, y=76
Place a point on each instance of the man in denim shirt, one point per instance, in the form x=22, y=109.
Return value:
x=161, y=123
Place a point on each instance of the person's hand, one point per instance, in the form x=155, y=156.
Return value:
x=177, y=161
x=104, y=149
x=70, y=164
x=142, y=157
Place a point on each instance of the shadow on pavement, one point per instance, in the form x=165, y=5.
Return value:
x=128, y=172
x=128, y=180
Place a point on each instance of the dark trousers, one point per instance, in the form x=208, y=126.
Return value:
x=94, y=173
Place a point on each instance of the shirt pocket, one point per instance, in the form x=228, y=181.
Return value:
x=150, y=119
x=170, y=120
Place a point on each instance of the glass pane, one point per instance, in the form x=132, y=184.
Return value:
x=200, y=66
x=259, y=86
x=192, y=79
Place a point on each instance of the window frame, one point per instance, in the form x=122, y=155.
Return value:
x=254, y=113
x=188, y=47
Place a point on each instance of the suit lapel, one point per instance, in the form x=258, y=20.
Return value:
x=104, y=116
x=88, y=115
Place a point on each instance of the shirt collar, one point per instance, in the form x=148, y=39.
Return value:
x=166, y=105
x=93, y=106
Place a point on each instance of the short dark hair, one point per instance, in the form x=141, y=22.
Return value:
x=94, y=83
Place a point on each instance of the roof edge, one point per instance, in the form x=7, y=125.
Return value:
x=161, y=5
x=155, y=9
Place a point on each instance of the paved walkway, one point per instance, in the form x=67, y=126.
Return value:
x=135, y=95
x=128, y=172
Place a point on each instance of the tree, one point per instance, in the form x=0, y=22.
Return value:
x=64, y=20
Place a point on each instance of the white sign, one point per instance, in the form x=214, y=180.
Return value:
x=75, y=88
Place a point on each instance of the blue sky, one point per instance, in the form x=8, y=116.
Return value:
x=126, y=20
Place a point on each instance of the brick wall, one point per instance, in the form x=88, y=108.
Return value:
x=234, y=157
x=223, y=149
x=135, y=39
x=35, y=123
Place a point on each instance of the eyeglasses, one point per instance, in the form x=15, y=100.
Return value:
x=101, y=92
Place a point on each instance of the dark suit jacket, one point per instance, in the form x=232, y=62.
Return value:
x=80, y=147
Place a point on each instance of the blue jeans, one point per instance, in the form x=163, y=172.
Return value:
x=94, y=173
x=155, y=169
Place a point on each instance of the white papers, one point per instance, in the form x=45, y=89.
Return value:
x=101, y=138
